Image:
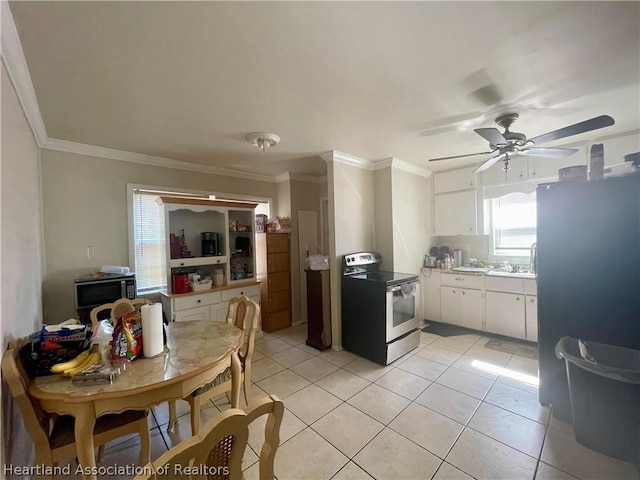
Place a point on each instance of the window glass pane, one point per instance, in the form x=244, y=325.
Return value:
x=513, y=223
x=149, y=241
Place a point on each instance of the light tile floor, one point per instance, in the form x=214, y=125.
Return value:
x=441, y=412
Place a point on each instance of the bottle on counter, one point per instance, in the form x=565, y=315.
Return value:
x=447, y=261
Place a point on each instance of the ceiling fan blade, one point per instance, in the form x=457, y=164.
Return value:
x=548, y=152
x=492, y=135
x=489, y=163
x=460, y=156
x=586, y=126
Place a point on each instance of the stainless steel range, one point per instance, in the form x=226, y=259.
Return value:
x=379, y=309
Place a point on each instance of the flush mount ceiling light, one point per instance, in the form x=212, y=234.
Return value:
x=263, y=140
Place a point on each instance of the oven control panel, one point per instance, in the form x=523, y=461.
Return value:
x=362, y=258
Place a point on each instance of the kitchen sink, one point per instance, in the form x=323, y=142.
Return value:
x=472, y=269
x=498, y=273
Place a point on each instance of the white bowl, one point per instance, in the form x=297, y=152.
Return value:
x=205, y=285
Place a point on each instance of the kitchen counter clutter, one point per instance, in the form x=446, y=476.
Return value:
x=498, y=302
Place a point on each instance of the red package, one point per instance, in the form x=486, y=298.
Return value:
x=127, y=336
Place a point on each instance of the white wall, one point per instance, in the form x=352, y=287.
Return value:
x=21, y=262
x=383, y=204
x=351, y=220
x=85, y=203
x=410, y=220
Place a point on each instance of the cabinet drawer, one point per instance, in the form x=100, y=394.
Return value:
x=251, y=290
x=277, y=242
x=503, y=284
x=458, y=280
x=197, y=261
x=278, y=281
x=530, y=287
x=278, y=301
x=277, y=262
x=201, y=313
x=276, y=321
x=192, y=301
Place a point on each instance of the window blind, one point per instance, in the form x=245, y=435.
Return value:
x=149, y=242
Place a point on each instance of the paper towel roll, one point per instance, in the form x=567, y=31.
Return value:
x=152, y=343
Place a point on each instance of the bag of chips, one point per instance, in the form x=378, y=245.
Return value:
x=127, y=336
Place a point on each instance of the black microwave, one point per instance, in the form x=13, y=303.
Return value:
x=103, y=288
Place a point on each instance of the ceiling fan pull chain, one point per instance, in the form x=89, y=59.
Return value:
x=505, y=167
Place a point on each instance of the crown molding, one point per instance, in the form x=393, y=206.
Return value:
x=125, y=156
x=300, y=177
x=16, y=65
x=345, y=158
x=402, y=165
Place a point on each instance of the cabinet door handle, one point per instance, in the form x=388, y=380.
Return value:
x=463, y=292
x=182, y=264
x=517, y=299
x=198, y=301
x=454, y=291
x=532, y=301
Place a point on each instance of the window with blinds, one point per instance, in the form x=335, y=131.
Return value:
x=149, y=243
x=513, y=222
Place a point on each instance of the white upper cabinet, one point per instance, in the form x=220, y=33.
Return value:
x=454, y=181
x=616, y=148
x=455, y=213
x=547, y=168
x=525, y=169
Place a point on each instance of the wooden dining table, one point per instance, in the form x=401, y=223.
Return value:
x=196, y=352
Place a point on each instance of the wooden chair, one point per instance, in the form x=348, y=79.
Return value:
x=244, y=314
x=53, y=436
x=118, y=308
x=217, y=451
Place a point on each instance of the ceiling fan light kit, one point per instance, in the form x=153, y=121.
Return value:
x=263, y=140
x=513, y=143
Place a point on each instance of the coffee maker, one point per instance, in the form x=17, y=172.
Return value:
x=209, y=244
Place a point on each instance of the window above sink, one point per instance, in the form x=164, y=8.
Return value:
x=512, y=226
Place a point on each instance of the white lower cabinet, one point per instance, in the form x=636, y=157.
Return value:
x=471, y=308
x=198, y=313
x=450, y=305
x=505, y=314
x=430, y=288
x=531, y=313
x=461, y=306
x=208, y=305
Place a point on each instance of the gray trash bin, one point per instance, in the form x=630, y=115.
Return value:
x=604, y=388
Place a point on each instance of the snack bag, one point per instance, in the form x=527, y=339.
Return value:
x=127, y=336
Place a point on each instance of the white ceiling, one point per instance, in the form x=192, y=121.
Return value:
x=189, y=80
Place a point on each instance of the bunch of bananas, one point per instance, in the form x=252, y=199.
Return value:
x=80, y=363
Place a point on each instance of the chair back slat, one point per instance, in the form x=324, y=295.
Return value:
x=244, y=313
x=228, y=433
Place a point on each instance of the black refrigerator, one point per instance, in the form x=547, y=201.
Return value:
x=588, y=272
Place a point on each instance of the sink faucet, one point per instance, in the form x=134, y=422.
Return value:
x=533, y=253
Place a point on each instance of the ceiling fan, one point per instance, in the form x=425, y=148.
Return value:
x=506, y=144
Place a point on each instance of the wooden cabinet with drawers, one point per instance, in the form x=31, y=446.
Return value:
x=276, y=290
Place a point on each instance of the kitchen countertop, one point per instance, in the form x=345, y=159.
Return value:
x=488, y=271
